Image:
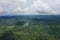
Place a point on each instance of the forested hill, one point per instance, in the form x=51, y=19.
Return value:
x=30, y=27
x=47, y=19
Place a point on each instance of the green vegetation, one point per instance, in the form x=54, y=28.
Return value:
x=18, y=28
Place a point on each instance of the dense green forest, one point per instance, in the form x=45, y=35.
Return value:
x=29, y=28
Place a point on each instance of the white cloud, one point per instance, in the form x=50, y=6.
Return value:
x=38, y=6
x=30, y=6
x=22, y=0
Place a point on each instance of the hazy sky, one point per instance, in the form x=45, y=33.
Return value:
x=30, y=6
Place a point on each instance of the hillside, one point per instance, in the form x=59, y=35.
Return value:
x=32, y=27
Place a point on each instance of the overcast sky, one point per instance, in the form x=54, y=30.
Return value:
x=30, y=6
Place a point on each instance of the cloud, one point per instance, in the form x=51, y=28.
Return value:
x=38, y=6
x=30, y=6
x=22, y=0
